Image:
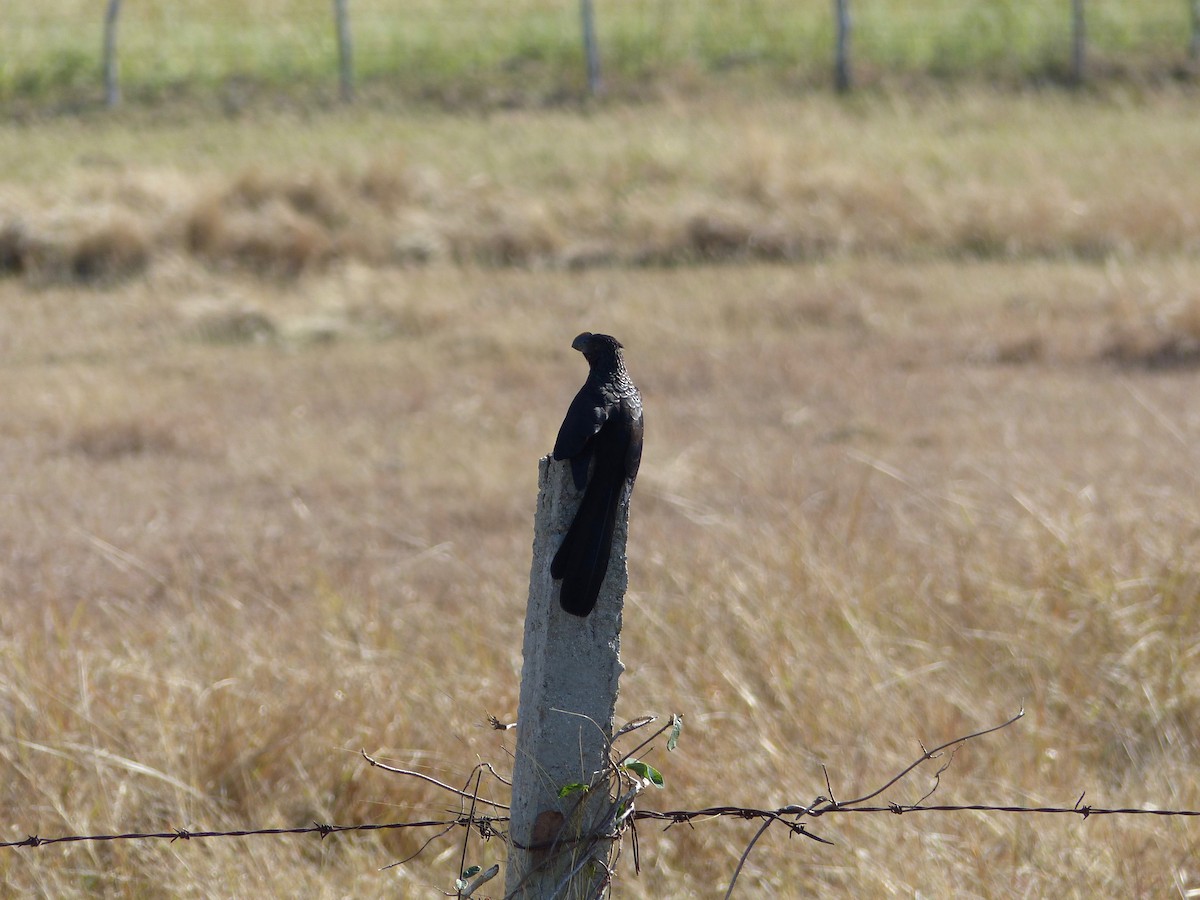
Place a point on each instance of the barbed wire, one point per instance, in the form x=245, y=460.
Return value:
x=487, y=824
x=320, y=829
x=795, y=818
x=676, y=817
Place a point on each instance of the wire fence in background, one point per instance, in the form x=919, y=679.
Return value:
x=554, y=47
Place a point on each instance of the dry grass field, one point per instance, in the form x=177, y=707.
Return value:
x=920, y=376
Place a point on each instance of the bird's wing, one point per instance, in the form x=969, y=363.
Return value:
x=633, y=455
x=586, y=415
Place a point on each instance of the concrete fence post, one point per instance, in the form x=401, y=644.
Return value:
x=1194, y=43
x=591, y=48
x=112, y=85
x=1078, y=42
x=841, y=50
x=341, y=22
x=560, y=846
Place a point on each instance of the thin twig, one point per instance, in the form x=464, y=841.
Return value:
x=937, y=777
x=445, y=831
x=925, y=756
x=667, y=725
x=462, y=862
x=632, y=725
x=441, y=784
x=746, y=855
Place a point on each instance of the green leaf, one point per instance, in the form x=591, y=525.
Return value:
x=676, y=727
x=646, y=771
x=470, y=873
x=576, y=788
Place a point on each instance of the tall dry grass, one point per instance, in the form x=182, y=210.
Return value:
x=986, y=177
x=257, y=518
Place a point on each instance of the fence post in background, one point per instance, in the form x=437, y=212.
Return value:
x=1194, y=45
x=591, y=48
x=112, y=87
x=1078, y=42
x=341, y=19
x=569, y=680
x=841, y=62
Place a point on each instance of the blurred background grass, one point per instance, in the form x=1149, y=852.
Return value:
x=531, y=49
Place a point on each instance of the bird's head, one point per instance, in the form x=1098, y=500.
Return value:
x=596, y=346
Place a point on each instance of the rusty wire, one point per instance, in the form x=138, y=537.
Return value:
x=488, y=824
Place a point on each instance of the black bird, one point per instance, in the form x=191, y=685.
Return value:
x=603, y=431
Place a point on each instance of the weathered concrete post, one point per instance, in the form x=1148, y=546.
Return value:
x=841, y=56
x=591, y=48
x=112, y=85
x=565, y=717
x=341, y=23
x=1078, y=42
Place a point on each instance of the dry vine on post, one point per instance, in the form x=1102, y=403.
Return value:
x=618, y=787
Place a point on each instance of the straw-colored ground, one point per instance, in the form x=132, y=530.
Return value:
x=922, y=428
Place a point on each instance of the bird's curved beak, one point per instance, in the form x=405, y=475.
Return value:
x=581, y=342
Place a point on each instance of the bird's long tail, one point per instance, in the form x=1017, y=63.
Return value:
x=582, y=558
